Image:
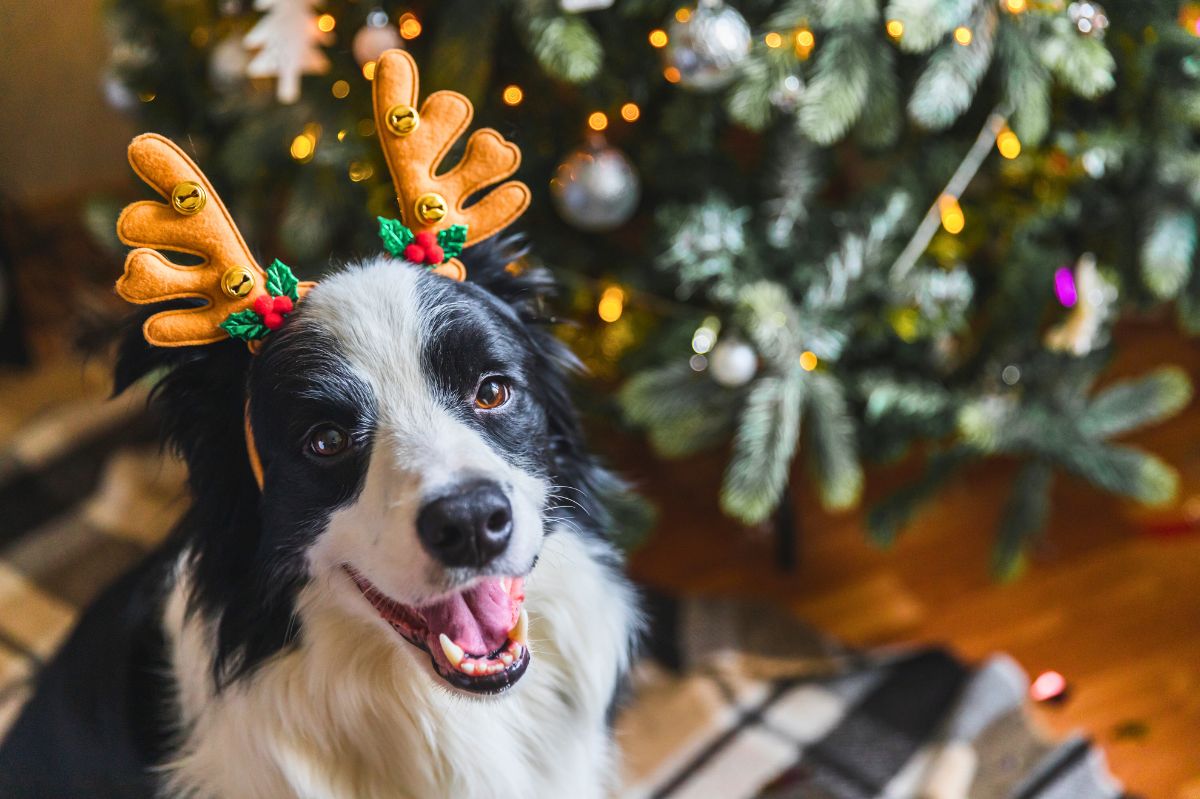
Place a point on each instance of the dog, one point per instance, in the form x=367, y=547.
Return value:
x=419, y=602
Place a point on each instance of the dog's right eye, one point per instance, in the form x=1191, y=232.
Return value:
x=327, y=440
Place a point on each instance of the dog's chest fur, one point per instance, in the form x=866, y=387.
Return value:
x=352, y=713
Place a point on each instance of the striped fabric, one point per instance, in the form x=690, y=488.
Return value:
x=739, y=701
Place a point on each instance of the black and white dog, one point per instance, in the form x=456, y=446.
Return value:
x=420, y=602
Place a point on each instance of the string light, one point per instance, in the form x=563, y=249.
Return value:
x=963, y=35
x=368, y=70
x=804, y=43
x=672, y=75
x=1189, y=19
x=341, y=134
x=895, y=28
x=630, y=112
x=147, y=97
x=808, y=360
x=598, y=120
x=1008, y=144
x=360, y=171
x=303, y=147
x=410, y=26
x=953, y=219
x=706, y=336
x=1049, y=685
x=326, y=23
x=513, y=95
x=612, y=304
x=340, y=89
x=658, y=38
x=773, y=40
x=1015, y=6
x=683, y=14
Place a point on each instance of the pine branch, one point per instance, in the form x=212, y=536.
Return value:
x=1122, y=470
x=564, y=45
x=1168, y=251
x=882, y=120
x=926, y=22
x=680, y=409
x=1023, y=518
x=763, y=448
x=1082, y=63
x=1131, y=404
x=947, y=86
x=837, y=92
x=1025, y=81
x=886, y=519
x=832, y=445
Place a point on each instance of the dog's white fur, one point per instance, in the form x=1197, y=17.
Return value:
x=353, y=710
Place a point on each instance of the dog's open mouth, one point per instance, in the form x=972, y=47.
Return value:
x=477, y=639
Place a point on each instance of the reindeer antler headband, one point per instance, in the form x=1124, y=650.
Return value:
x=243, y=300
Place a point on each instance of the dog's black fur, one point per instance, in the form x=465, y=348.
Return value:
x=102, y=716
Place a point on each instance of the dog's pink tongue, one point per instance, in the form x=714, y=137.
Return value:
x=477, y=619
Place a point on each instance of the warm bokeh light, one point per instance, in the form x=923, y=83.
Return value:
x=1048, y=685
x=658, y=38
x=804, y=43
x=361, y=170
x=630, y=112
x=366, y=127
x=773, y=40
x=513, y=95
x=368, y=70
x=1008, y=144
x=808, y=360
x=410, y=26
x=683, y=14
x=340, y=89
x=326, y=22
x=895, y=28
x=671, y=74
x=612, y=304
x=341, y=134
x=953, y=219
x=598, y=120
x=1015, y=6
x=963, y=35
x=303, y=147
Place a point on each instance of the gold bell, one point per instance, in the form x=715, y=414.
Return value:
x=402, y=119
x=430, y=207
x=237, y=282
x=188, y=197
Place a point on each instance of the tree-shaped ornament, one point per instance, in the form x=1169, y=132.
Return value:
x=287, y=41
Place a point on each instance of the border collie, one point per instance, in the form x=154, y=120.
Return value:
x=421, y=602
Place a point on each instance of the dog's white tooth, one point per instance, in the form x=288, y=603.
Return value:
x=454, y=652
x=467, y=667
x=520, y=633
x=506, y=659
x=495, y=667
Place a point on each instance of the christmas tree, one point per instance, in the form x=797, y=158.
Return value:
x=836, y=230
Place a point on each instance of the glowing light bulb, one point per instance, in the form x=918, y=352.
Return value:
x=326, y=23
x=368, y=70
x=808, y=360
x=303, y=147
x=683, y=14
x=410, y=26
x=895, y=28
x=1015, y=6
x=612, y=304
x=806, y=40
x=1008, y=144
x=672, y=75
x=963, y=35
x=340, y=89
x=513, y=95
x=773, y=40
x=658, y=38
x=953, y=219
x=597, y=120
x=630, y=112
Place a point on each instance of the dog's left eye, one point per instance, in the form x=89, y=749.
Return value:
x=492, y=393
x=327, y=440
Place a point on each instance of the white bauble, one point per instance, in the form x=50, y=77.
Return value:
x=227, y=63
x=372, y=41
x=707, y=45
x=733, y=363
x=596, y=188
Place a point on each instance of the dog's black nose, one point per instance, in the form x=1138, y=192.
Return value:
x=468, y=527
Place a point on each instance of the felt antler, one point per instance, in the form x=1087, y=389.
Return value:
x=195, y=222
x=414, y=143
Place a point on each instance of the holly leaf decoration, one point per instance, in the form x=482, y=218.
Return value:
x=395, y=235
x=246, y=325
x=281, y=282
x=452, y=239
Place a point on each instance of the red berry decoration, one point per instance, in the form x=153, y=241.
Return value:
x=282, y=304
x=424, y=240
x=263, y=305
x=434, y=255
x=414, y=253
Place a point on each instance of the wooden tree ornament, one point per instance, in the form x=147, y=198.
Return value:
x=416, y=141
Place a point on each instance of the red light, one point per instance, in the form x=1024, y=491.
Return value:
x=1048, y=686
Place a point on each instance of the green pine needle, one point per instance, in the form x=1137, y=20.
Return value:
x=763, y=448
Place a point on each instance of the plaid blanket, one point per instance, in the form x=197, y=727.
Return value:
x=735, y=701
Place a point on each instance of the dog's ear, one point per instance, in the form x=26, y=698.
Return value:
x=198, y=396
x=496, y=265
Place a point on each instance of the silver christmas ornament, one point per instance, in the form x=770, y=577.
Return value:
x=1088, y=18
x=787, y=93
x=117, y=94
x=375, y=38
x=706, y=44
x=733, y=363
x=596, y=188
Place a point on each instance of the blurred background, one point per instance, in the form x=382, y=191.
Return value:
x=888, y=306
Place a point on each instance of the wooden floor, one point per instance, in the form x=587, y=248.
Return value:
x=1109, y=600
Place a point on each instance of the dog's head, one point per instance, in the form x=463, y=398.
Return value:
x=417, y=443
